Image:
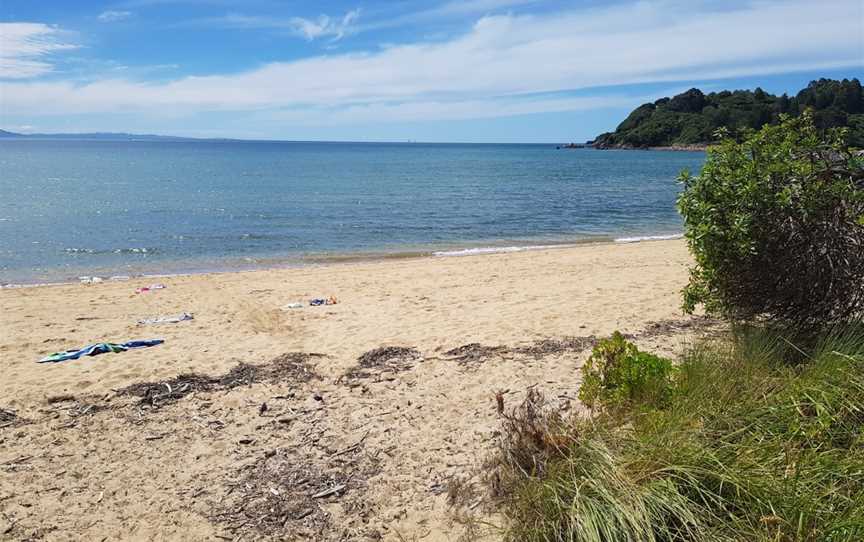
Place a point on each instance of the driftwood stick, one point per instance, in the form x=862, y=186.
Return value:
x=327, y=492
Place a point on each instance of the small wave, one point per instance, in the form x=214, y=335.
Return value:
x=14, y=286
x=649, y=238
x=133, y=250
x=142, y=250
x=494, y=250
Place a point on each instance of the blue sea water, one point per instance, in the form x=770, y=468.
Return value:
x=71, y=207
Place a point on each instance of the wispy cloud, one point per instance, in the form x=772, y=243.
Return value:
x=111, y=16
x=466, y=7
x=149, y=3
x=395, y=16
x=505, y=65
x=26, y=47
x=324, y=26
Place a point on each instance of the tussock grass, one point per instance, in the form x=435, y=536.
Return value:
x=761, y=440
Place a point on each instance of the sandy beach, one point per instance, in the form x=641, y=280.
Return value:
x=319, y=446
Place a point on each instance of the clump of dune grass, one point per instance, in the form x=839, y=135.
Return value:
x=759, y=440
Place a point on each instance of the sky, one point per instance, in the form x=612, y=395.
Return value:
x=397, y=70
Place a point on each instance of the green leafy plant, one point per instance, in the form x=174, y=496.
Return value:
x=618, y=373
x=776, y=225
x=748, y=447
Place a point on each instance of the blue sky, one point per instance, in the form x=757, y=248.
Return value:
x=425, y=70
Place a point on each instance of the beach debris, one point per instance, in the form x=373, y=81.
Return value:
x=384, y=359
x=290, y=306
x=290, y=367
x=99, y=348
x=461, y=491
x=672, y=326
x=331, y=491
x=548, y=347
x=119, y=278
x=83, y=409
x=158, y=286
x=318, y=301
x=282, y=492
x=90, y=280
x=242, y=374
x=182, y=317
x=474, y=353
x=62, y=398
x=157, y=394
x=8, y=417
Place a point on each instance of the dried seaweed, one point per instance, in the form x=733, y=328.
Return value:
x=9, y=417
x=292, y=367
x=549, y=347
x=474, y=353
x=156, y=394
x=384, y=359
x=243, y=374
x=663, y=328
x=60, y=398
x=284, y=494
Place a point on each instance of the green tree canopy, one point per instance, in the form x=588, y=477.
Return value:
x=693, y=117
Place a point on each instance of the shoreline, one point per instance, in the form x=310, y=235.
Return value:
x=313, y=260
x=696, y=147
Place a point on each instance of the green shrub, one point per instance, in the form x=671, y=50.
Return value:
x=618, y=373
x=776, y=226
x=747, y=447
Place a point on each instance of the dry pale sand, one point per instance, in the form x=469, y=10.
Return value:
x=215, y=464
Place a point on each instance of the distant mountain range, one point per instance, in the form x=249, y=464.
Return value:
x=690, y=119
x=104, y=136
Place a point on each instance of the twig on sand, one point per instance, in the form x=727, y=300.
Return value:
x=19, y=460
x=331, y=491
x=352, y=447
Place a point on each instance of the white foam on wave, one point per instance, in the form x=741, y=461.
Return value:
x=649, y=238
x=494, y=250
x=13, y=286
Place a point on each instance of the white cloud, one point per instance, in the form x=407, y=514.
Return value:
x=25, y=47
x=462, y=7
x=325, y=26
x=310, y=29
x=111, y=16
x=505, y=64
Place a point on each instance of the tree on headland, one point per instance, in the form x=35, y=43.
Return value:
x=694, y=118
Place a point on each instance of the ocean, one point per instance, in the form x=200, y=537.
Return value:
x=72, y=208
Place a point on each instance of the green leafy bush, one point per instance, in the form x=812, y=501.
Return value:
x=776, y=225
x=748, y=447
x=619, y=373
